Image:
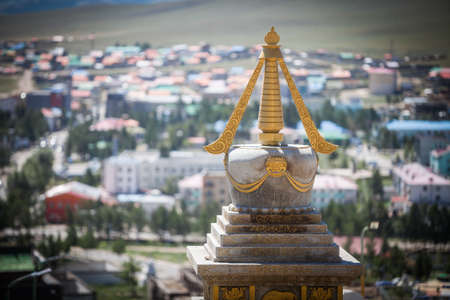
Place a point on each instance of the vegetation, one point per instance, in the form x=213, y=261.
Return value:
x=99, y=144
x=8, y=84
x=117, y=292
x=129, y=271
x=21, y=210
x=119, y=246
x=25, y=123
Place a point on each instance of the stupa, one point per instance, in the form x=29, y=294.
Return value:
x=270, y=243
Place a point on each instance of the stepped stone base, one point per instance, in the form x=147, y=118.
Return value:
x=289, y=255
x=243, y=237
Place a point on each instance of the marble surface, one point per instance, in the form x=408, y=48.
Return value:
x=246, y=164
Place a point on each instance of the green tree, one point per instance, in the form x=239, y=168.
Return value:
x=119, y=246
x=88, y=240
x=90, y=179
x=377, y=184
x=129, y=271
x=5, y=156
x=71, y=239
x=21, y=202
x=171, y=186
x=423, y=266
x=160, y=220
x=139, y=219
x=152, y=131
x=38, y=169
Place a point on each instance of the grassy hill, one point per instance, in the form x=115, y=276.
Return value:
x=368, y=26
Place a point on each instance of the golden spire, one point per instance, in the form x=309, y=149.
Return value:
x=270, y=119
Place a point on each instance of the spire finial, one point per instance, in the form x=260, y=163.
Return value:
x=272, y=37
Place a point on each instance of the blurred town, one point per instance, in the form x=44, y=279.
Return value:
x=104, y=179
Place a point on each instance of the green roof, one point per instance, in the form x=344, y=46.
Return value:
x=13, y=262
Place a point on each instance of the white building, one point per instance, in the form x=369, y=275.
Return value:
x=149, y=202
x=120, y=175
x=418, y=184
x=329, y=188
x=150, y=171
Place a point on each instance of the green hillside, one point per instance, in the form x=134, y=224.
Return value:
x=415, y=26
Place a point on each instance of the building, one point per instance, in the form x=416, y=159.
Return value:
x=191, y=190
x=72, y=195
x=115, y=105
x=206, y=186
x=419, y=185
x=329, y=188
x=399, y=205
x=155, y=170
x=315, y=83
x=121, y=175
x=426, y=143
x=440, y=161
x=382, y=81
x=215, y=187
x=410, y=128
x=8, y=104
x=58, y=96
x=149, y=202
x=134, y=171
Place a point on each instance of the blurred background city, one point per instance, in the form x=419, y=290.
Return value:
x=105, y=106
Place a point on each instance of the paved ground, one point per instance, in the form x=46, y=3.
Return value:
x=371, y=156
x=164, y=269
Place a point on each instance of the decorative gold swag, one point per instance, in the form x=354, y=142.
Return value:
x=276, y=166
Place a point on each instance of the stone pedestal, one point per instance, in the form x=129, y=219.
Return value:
x=272, y=256
x=270, y=243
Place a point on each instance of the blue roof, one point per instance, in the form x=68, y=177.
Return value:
x=418, y=125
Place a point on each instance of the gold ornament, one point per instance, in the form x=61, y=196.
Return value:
x=276, y=166
x=321, y=293
x=270, y=110
x=234, y=293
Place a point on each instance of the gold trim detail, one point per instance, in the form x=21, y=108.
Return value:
x=223, y=143
x=321, y=293
x=271, y=114
x=340, y=292
x=276, y=166
x=279, y=295
x=303, y=292
x=318, y=143
x=215, y=292
x=253, y=292
x=233, y=293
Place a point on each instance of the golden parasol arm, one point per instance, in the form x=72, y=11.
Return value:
x=318, y=143
x=223, y=143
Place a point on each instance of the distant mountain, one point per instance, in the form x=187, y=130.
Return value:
x=27, y=6
x=420, y=27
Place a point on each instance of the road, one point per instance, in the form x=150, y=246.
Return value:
x=371, y=156
x=20, y=157
x=163, y=269
x=25, y=83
